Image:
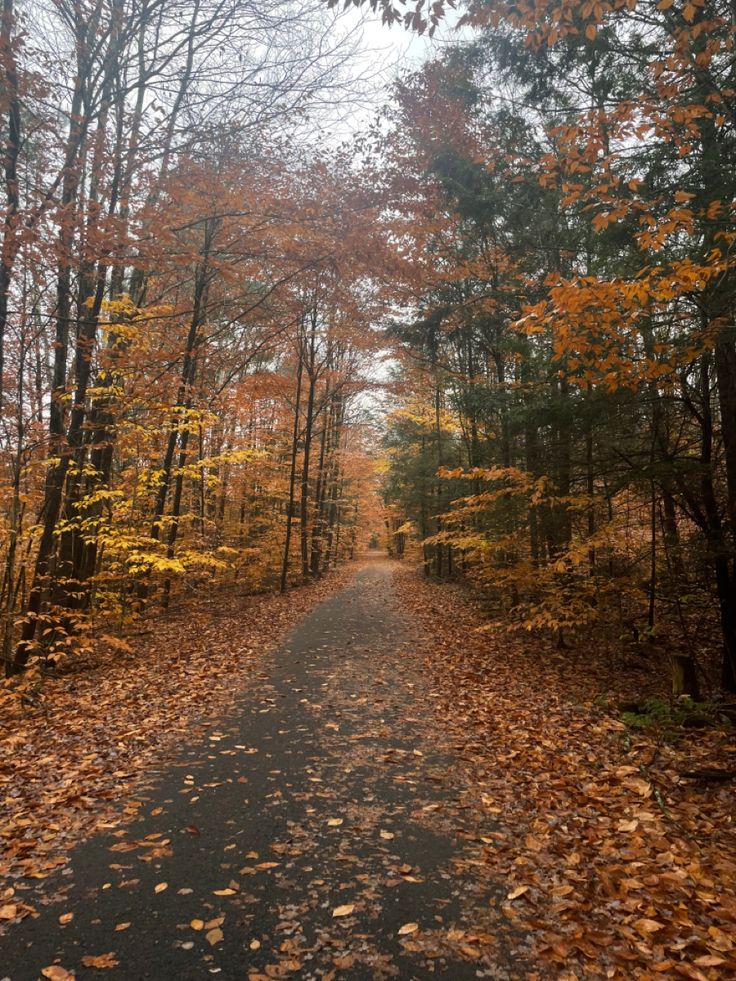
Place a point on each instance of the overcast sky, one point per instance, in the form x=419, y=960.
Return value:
x=388, y=52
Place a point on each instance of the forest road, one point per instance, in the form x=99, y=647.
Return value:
x=314, y=832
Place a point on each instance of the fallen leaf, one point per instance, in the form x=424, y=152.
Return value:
x=161, y=886
x=642, y=787
x=214, y=936
x=57, y=973
x=646, y=926
x=719, y=939
x=101, y=962
x=562, y=890
x=519, y=891
x=197, y=924
x=408, y=928
x=628, y=825
x=343, y=910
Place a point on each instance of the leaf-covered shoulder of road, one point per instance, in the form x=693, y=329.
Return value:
x=86, y=743
x=616, y=864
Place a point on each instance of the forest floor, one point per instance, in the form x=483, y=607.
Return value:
x=356, y=782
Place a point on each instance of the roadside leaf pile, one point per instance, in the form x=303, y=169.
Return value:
x=618, y=864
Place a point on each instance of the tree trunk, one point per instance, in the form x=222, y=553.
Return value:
x=292, y=469
x=308, y=424
x=9, y=248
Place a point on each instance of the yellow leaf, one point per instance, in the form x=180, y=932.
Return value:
x=223, y=892
x=408, y=928
x=161, y=886
x=197, y=924
x=519, y=891
x=214, y=936
x=335, y=822
x=121, y=926
x=343, y=910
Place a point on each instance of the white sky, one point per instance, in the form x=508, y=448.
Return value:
x=405, y=47
x=390, y=52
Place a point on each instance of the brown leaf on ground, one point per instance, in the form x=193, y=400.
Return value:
x=100, y=962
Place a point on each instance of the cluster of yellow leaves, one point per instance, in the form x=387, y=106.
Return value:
x=559, y=595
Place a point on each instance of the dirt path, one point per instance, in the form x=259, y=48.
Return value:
x=314, y=833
